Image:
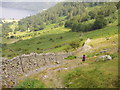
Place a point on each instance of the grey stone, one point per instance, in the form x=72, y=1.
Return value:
x=105, y=57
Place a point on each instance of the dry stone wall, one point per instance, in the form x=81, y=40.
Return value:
x=16, y=67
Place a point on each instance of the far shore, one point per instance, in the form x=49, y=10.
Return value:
x=10, y=20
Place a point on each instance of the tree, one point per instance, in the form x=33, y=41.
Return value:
x=100, y=22
x=74, y=27
x=118, y=5
x=85, y=18
x=68, y=24
x=92, y=14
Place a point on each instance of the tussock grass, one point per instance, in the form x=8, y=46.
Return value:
x=30, y=83
x=71, y=57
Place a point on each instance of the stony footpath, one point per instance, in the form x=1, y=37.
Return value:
x=50, y=74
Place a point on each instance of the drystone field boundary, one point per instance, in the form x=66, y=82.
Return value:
x=13, y=69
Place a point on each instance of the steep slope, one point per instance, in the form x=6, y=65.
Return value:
x=55, y=37
x=90, y=74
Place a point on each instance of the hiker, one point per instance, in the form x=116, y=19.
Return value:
x=83, y=58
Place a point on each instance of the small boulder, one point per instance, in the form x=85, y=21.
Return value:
x=45, y=76
x=70, y=82
x=59, y=69
x=109, y=57
x=26, y=75
x=105, y=57
x=57, y=62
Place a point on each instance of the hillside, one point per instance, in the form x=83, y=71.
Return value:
x=73, y=73
x=55, y=37
x=60, y=31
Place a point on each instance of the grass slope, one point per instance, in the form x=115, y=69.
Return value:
x=97, y=75
x=55, y=40
x=102, y=74
x=90, y=74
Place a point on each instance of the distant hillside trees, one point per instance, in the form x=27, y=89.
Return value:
x=99, y=16
x=6, y=29
x=33, y=24
x=92, y=14
x=69, y=13
x=100, y=22
x=52, y=15
x=69, y=24
x=107, y=10
x=82, y=27
x=118, y=5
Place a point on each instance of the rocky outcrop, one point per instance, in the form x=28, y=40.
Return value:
x=85, y=47
x=16, y=67
x=87, y=41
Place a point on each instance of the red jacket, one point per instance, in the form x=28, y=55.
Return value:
x=83, y=57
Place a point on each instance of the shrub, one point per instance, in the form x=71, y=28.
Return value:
x=9, y=55
x=11, y=36
x=67, y=49
x=57, y=46
x=82, y=27
x=71, y=57
x=3, y=55
x=68, y=24
x=74, y=44
x=50, y=39
x=19, y=49
x=38, y=42
x=81, y=39
x=114, y=55
x=61, y=37
x=100, y=22
x=37, y=48
x=30, y=83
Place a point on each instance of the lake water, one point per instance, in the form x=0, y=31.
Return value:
x=9, y=13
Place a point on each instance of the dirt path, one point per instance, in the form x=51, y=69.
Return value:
x=51, y=74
